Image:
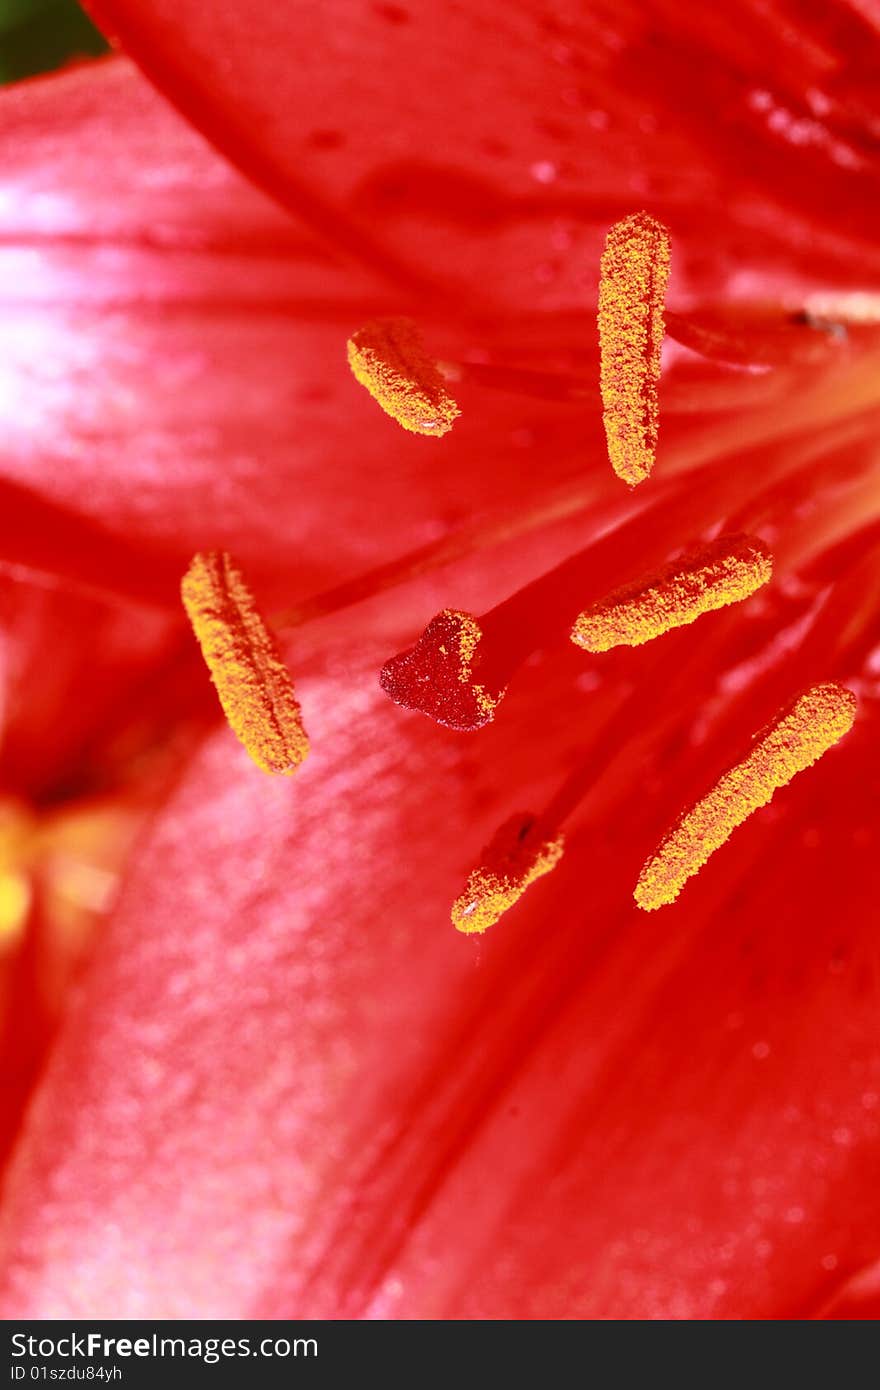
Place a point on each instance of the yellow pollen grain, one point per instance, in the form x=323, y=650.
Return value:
x=632, y=290
x=388, y=358
x=470, y=635
x=509, y=866
x=727, y=571
x=253, y=684
x=797, y=738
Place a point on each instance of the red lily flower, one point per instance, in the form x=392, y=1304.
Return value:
x=284, y=1085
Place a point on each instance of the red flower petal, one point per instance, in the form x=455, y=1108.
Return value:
x=173, y=372
x=707, y=1097
x=79, y=676
x=285, y=1053
x=396, y=131
x=673, y=1120
x=234, y=872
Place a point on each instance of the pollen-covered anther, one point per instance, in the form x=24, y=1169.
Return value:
x=796, y=739
x=388, y=358
x=510, y=863
x=632, y=291
x=437, y=675
x=253, y=684
x=728, y=570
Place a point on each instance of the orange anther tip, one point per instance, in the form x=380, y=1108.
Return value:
x=436, y=676
x=797, y=738
x=253, y=684
x=728, y=570
x=632, y=291
x=509, y=864
x=388, y=358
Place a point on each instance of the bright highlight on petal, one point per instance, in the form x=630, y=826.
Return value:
x=797, y=738
x=436, y=676
x=727, y=571
x=389, y=359
x=15, y=901
x=253, y=684
x=844, y=307
x=632, y=290
x=510, y=863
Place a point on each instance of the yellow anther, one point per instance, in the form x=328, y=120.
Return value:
x=388, y=358
x=510, y=863
x=798, y=737
x=727, y=571
x=253, y=684
x=632, y=291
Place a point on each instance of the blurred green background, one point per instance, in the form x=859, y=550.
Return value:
x=39, y=35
